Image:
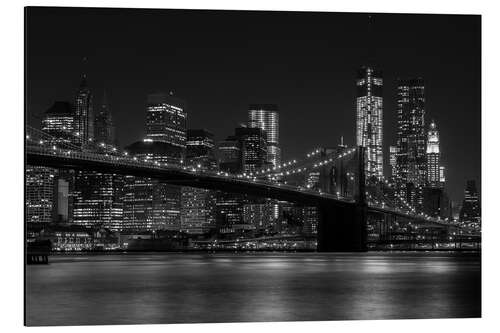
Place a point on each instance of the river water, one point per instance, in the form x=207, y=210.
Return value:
x=195, y=288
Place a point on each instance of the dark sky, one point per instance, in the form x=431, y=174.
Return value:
x=221, y=61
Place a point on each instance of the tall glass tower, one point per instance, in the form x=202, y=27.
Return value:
x=266, y=117
x=166, y=119
x=411, y=167
x=104, y=128
x=84, y=113
x=369, y=116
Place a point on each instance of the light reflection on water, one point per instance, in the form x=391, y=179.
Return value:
x=173, y=288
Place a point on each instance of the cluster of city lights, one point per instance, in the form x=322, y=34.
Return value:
x=68, y=149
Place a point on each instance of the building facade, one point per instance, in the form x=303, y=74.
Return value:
x=369, y=119
x=470, y=214
x=59, y=122
x=266, y=117
x=166, y=118
x=104, y=128
x=84, y=113
x=253, y=148
x=198, y=205
x=411, y=167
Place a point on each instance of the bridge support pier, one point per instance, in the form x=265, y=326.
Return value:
x=342, y=229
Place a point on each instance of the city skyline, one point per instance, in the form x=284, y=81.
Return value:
x=128, y=103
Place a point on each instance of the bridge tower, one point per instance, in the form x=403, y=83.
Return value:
x=343, y=229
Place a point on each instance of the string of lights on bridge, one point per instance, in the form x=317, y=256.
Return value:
x=57, y=146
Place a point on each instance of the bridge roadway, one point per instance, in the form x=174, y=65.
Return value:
x=40, y=156
x=342, y=222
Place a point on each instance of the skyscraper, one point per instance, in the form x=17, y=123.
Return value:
x=434, y=168
x=470, y=213
x=229, y=155
x=84, y=113
x=104, y=128
x=253, y=148
x=40, y=194
x=411, y=165
x=59, y=122
x=152, y=204
x=266, y=117
x=198, y=205
x=166, y=119
x=97, y=200
x=369, y=116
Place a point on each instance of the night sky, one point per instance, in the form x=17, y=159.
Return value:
x=221, y=61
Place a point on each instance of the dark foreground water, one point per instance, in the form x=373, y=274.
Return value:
x=194, y=288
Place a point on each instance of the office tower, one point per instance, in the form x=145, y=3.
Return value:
x=40, y=188
x=59, y=122
x=198, y=205
x=166, y=119
x=411, y=165
x=263, y=216
x=229, y=155
x=97, y=200
x=253, y=148
x=151, y=204
x=435, y=172
x=200, y=149
x=369, y=116
x=266, y=117
x=393, y=151
x=84, y=113
x=470, y=214
x=103, y=125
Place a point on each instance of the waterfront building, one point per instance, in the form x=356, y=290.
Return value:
x=266, y=117
x=470, y=214
x=166, y=118
x=411, y=167
x=198, y=205
x=151, y=204
x=369, y=116
x=39, y=193
x=97, y=200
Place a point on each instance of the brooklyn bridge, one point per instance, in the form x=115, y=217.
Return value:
x=353, y=212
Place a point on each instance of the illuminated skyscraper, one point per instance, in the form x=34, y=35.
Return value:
x=40, y=194
x=266, y=117
x=59, y=122
x=393, y=151
x=104, y=128
x=150, y=204
x=411, y=168
x=369, y=116
x=166, y=119
x=435, y=173
x=97, y=200
x=253, y=148
x=470, y=213
x=84, y=113
x=198, y=205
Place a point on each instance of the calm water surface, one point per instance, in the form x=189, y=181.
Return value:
x=194, y=288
